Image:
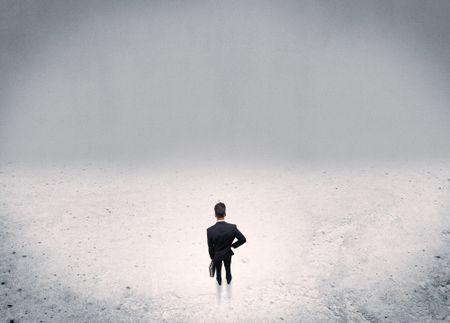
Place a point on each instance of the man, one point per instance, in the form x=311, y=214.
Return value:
x=220, y=241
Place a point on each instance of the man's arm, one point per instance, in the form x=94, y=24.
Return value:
x=239, y=236
x=210, y=245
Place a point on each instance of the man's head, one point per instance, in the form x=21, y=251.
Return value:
x=219, y=210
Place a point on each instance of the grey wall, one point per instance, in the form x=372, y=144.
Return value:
x=83, y=80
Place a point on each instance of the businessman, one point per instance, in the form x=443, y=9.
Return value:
x=220, y=241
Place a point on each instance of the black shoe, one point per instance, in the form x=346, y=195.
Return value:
x=228, y=279
x=219, y=281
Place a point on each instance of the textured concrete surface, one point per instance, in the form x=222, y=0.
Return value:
x=118, y=243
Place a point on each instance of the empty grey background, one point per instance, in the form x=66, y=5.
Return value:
x=239, y=82
x=280, y=80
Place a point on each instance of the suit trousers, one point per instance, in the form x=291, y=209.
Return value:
x=227, y=262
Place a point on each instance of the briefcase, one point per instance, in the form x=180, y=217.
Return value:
x=212, y=269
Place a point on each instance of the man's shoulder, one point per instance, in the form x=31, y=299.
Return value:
x=231, y=225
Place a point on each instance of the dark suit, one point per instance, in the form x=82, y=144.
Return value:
x=220, y=240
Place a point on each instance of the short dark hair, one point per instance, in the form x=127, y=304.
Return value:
x=219, y=209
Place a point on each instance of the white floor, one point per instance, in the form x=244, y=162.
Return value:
x=347, y=242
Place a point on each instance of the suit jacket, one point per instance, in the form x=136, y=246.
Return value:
x=220, y=239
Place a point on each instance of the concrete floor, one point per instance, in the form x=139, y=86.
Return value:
x=119, y=243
